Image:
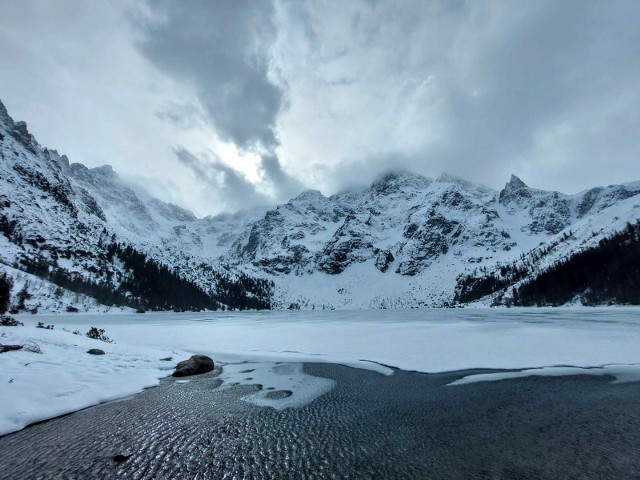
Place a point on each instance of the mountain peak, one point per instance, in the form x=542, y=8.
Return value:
x=515, y=183
x=309, y=195
x=3, y=112
x=105, y=171
x=391, y=181
x=513, y=189
x=448, y=178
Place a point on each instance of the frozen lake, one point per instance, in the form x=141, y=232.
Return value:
x=328, y=394
x=269, y=348
x=436, y=340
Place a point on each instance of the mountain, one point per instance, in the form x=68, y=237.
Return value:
x=405, y=241
x=77, y=234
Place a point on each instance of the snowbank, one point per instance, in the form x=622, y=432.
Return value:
x=64, y=378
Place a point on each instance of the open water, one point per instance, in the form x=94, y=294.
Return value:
x=369, y=426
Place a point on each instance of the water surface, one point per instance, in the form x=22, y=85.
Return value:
x=407, y=425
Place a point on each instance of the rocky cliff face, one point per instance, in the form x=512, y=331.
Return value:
x=403, y=220
x=408, y=237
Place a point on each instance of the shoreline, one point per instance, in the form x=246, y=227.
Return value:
x=64, y=378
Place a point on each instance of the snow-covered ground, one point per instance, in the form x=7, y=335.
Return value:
x=64, y=378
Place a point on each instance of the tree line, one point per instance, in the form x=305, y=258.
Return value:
x=609, y=272
x=606, y=273
x=150, y=285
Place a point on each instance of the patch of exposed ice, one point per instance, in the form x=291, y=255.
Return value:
x=622, y=374
x=283, y=385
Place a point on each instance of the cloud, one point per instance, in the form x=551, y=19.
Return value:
x=284, y=185
x=220, y=48
x=229, y=186
x=477, y=89
x=182, y=116
x=327, y=94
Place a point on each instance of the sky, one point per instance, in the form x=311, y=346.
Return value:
x=223, y=105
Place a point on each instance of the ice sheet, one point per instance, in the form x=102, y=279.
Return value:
x=622, y=374
x=437, y=340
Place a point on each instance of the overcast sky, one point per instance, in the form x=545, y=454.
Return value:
x=220, y=105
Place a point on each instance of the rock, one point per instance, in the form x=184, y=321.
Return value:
x=195, y=365
x=166, y=359
x=383, y=259
x=95, y=351
x=121, y=458
x=8, y=348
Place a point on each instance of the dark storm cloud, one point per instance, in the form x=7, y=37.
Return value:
x=231, y=187
x=286, y=186
x=220, y=49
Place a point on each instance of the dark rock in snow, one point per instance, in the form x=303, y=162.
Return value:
x=95, y=351
x=383, y=259
x=194, y=366
x=8, y=348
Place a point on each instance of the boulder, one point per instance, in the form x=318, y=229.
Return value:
x=95, y=351
x=195, y=365
x=8, y=348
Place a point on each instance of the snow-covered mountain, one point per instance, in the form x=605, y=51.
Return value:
x=406, y=241
x=86, y=232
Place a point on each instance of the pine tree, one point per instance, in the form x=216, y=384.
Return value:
x=5, y=292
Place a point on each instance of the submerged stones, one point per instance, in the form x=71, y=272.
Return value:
x=95, y=351
x=195, y=365
x=121, y=458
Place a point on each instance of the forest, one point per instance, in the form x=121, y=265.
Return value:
x=606, y=273
x=150, y=285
